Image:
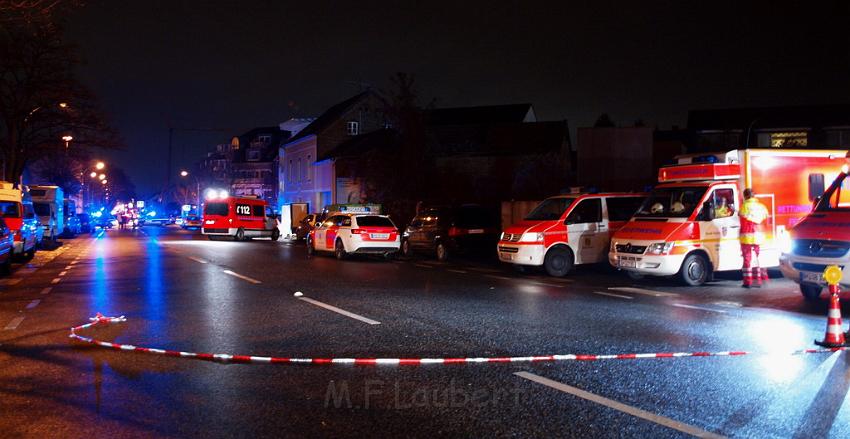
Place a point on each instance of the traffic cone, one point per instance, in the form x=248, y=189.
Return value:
x=834, y=335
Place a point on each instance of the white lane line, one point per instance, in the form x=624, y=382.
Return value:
x=198, y=260
x=63, y=273
x=246, y=278
x=457, y=271
x=423, y=266
x=620, y=296
x=56, y=281
x=682, y=305
x=33, y=304
x=75, y=262
x=340, y=311
x=610, y=403
x=549, y=284
x=10, y=281
x=45, y=291
x=68, y=267
x=497, y=277
x=643, y=291
x=14, y=324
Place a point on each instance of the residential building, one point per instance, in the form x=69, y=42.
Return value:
x=306, y=170
x=254, y=163
x=807, y=127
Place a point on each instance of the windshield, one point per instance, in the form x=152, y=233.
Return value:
x=10, y=209
x=41, y=209
x=550, y=209
x=837, y=197
x=216, y=209
x=671, y=202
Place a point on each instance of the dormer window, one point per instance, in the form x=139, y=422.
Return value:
x=264, y=139
x=352, y=128
x=253, y=155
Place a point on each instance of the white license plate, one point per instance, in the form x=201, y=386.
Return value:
x=379, y=235
x=476, y=231
x=811, y=278
x=627, y=263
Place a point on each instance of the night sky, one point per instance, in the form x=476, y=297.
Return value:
x=234, y=65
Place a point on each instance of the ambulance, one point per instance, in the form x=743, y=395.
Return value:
x=16, y=210
x=688, y=226
x=240, y=218
x=821, y=239
x=567, y=230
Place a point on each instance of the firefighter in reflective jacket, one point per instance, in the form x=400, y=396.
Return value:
x=752, y=214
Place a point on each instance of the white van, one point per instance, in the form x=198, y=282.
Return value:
x=49, y=205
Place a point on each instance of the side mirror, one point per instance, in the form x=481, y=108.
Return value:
x=708, y=211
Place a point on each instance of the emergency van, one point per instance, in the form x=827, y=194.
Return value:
x=49, y=205
x=689, y=224
x=821, y=239
x=16, y=210
x=567, y=230
x=238, y=217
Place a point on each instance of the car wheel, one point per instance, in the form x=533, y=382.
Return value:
x=275, y=234
x=695, y=270
x=30, y=254
x=559, y=262
x=406, y=250
x=811, y=292
x=6, y=268
x=339, y=250
x=310, y=250
x=240, y=234
x=634, y=275
x=442, y=252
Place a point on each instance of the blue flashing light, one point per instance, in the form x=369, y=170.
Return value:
x=152, y=213
x=97, y=214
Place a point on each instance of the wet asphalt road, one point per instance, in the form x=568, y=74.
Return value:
x=175, y=289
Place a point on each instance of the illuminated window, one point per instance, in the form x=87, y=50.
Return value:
x=789, y=139
x=352, y=128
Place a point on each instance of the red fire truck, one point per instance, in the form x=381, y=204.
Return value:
x=688, y=226
x=237, y=217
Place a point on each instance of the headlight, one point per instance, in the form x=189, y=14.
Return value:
x=531, y=237
x=659, y=248
x=613, y=247
x=786, y=244
x=502, y=236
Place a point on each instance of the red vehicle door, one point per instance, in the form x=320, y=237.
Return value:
x=333, y=230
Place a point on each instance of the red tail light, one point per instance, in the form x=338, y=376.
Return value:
x=456, y=231
x=356, y=231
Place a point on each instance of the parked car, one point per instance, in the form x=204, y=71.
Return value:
x=344, y=234
x=85, y=223
x=442, y=231
x=304, y=226
x=7, y=246
x=567, y=230
x=192, y=221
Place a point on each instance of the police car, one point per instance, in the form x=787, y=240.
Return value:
x=348, y=233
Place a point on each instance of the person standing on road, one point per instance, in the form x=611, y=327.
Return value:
x=752, y=214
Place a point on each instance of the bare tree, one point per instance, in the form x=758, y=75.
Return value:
x=40, y=99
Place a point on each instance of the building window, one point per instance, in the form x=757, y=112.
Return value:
x=289, y=172
x=352, y=128
x=309, y=167
x=789, y=139
x=253, y=155
x=300, y=173
x=264, y=139
x=837, y=138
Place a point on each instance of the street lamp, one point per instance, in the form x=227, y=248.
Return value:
x=93, y=174
x=67, y=138
x=99, y=165
x=103, y=181
x=101, y=177
x=185, y=173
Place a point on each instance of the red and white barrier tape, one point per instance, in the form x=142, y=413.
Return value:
x=100, y=319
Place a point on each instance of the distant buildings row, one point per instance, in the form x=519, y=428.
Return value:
x=495, y=153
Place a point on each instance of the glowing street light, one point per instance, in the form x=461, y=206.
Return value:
x=184, y=173
x=103, y=181
x=93, y=174
x=67, y=138
x=101, y=177
x=99, y=166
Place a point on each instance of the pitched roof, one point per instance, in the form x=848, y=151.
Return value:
x=503, y=139
x=769, y=117
x=328, y=117
x=383, y=138
x=489, y=114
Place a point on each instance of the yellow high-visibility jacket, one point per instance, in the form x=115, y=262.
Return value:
x=752, y=214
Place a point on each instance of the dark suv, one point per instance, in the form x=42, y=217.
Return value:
x=442, y=231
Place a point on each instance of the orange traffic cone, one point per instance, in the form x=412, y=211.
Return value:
x=834, y=335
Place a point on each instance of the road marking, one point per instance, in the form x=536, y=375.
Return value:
x=642, y=291
x=75, y=261
x=497, y=277
x=56, y=281
x=613, y=295
x=63, y=273
x=10, y=281
x=458, y=271
x=485, y=270
x=728, y=304
x=548, y=284
x=33, y=304
x=68, y=267
x=249, y=279
x=340, y=311
x=198, y=260
x=423, y=266
x=46, y=290
x=682, y=305
x=14, y=324
x=610, y=403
